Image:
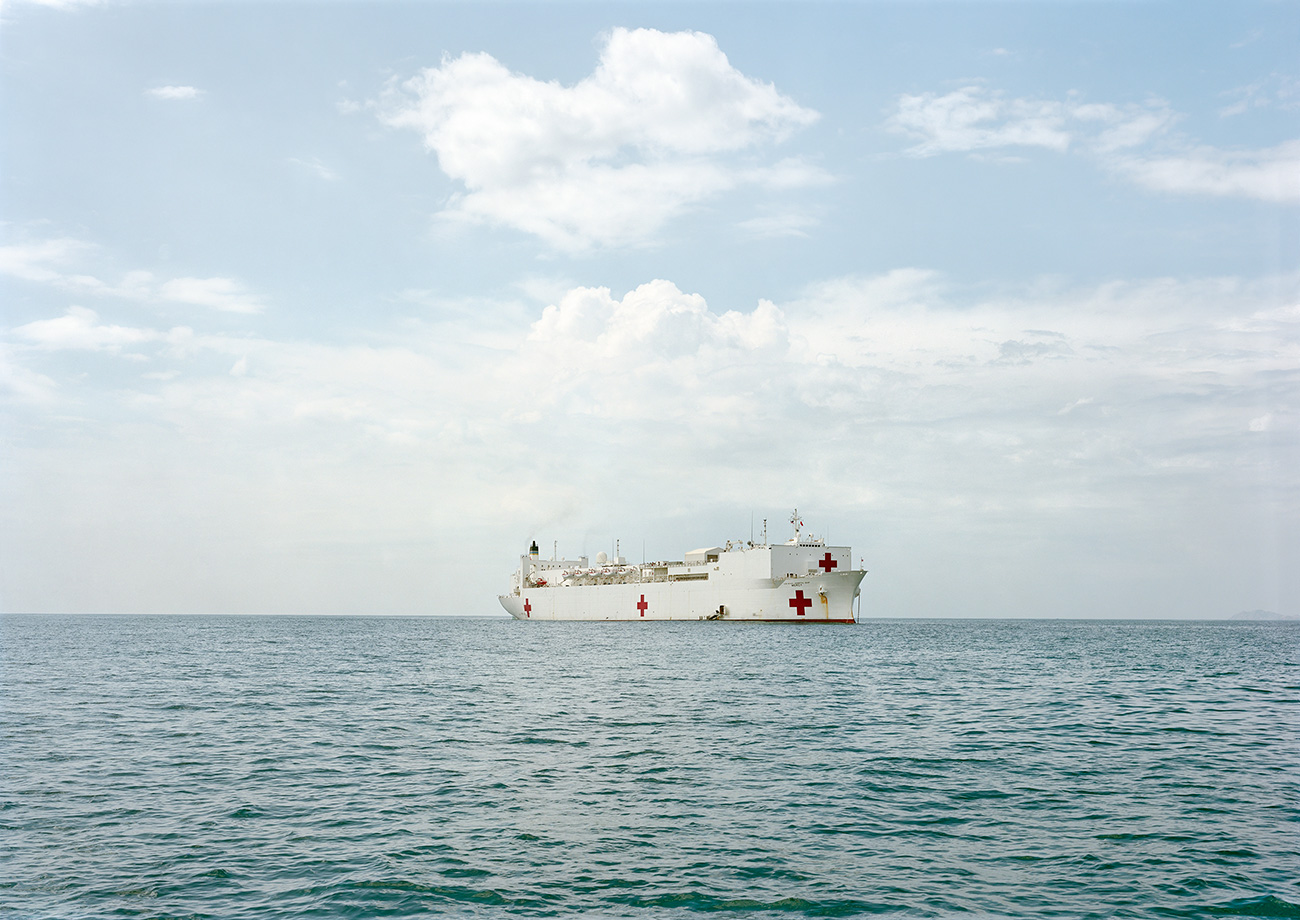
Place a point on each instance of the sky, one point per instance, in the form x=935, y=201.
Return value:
x=333, y=307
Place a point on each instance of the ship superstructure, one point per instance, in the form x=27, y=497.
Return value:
x=802, y=580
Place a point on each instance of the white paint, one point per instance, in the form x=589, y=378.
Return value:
x=799, y=581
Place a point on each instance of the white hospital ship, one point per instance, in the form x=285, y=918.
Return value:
x=800, y=581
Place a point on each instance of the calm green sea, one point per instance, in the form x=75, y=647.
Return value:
x=286, y=767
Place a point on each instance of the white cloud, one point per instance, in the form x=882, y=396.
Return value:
x=174, y=92
x=1122, y=139
x=21, y=383
x=80, y=329
x=59, y=4
x=224, y=294
x=608, y=161
x=1275, y=91
x=976, y=118
x=1268, y=175
x=38, y=261
x=657, y=352
x=973, y=118
x=1077, y=404
x=774, y=226
x=58, y=262
x=1106, y=128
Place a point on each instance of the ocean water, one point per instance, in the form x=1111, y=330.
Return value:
x=287, y=767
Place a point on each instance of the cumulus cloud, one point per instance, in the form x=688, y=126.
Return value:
x=1130, y=140
x=174, y=92
x=656, y=352
x=653, y=131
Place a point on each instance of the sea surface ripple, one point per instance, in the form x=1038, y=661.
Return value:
x=278, y=767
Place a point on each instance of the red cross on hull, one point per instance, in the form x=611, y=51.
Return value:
x=528, y=609
x=800, y=603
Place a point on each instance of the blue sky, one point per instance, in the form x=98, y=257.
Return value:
x=312, y=307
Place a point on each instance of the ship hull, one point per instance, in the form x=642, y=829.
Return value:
x=822, y=598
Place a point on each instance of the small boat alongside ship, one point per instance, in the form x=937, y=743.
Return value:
x=803, y=580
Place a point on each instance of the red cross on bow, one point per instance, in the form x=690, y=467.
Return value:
x=642, y=605
x=827, y=563
x=528, y=610
x=800, y=603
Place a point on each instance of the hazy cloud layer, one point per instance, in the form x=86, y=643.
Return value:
x=892, y=397
x=657, y=128
x=1133, y=140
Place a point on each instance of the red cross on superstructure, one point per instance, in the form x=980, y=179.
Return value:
x=800, y=603
x=827, y=563
x=642, y=605
x=528, y=609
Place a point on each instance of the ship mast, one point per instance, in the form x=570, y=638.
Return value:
x=798, y=524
